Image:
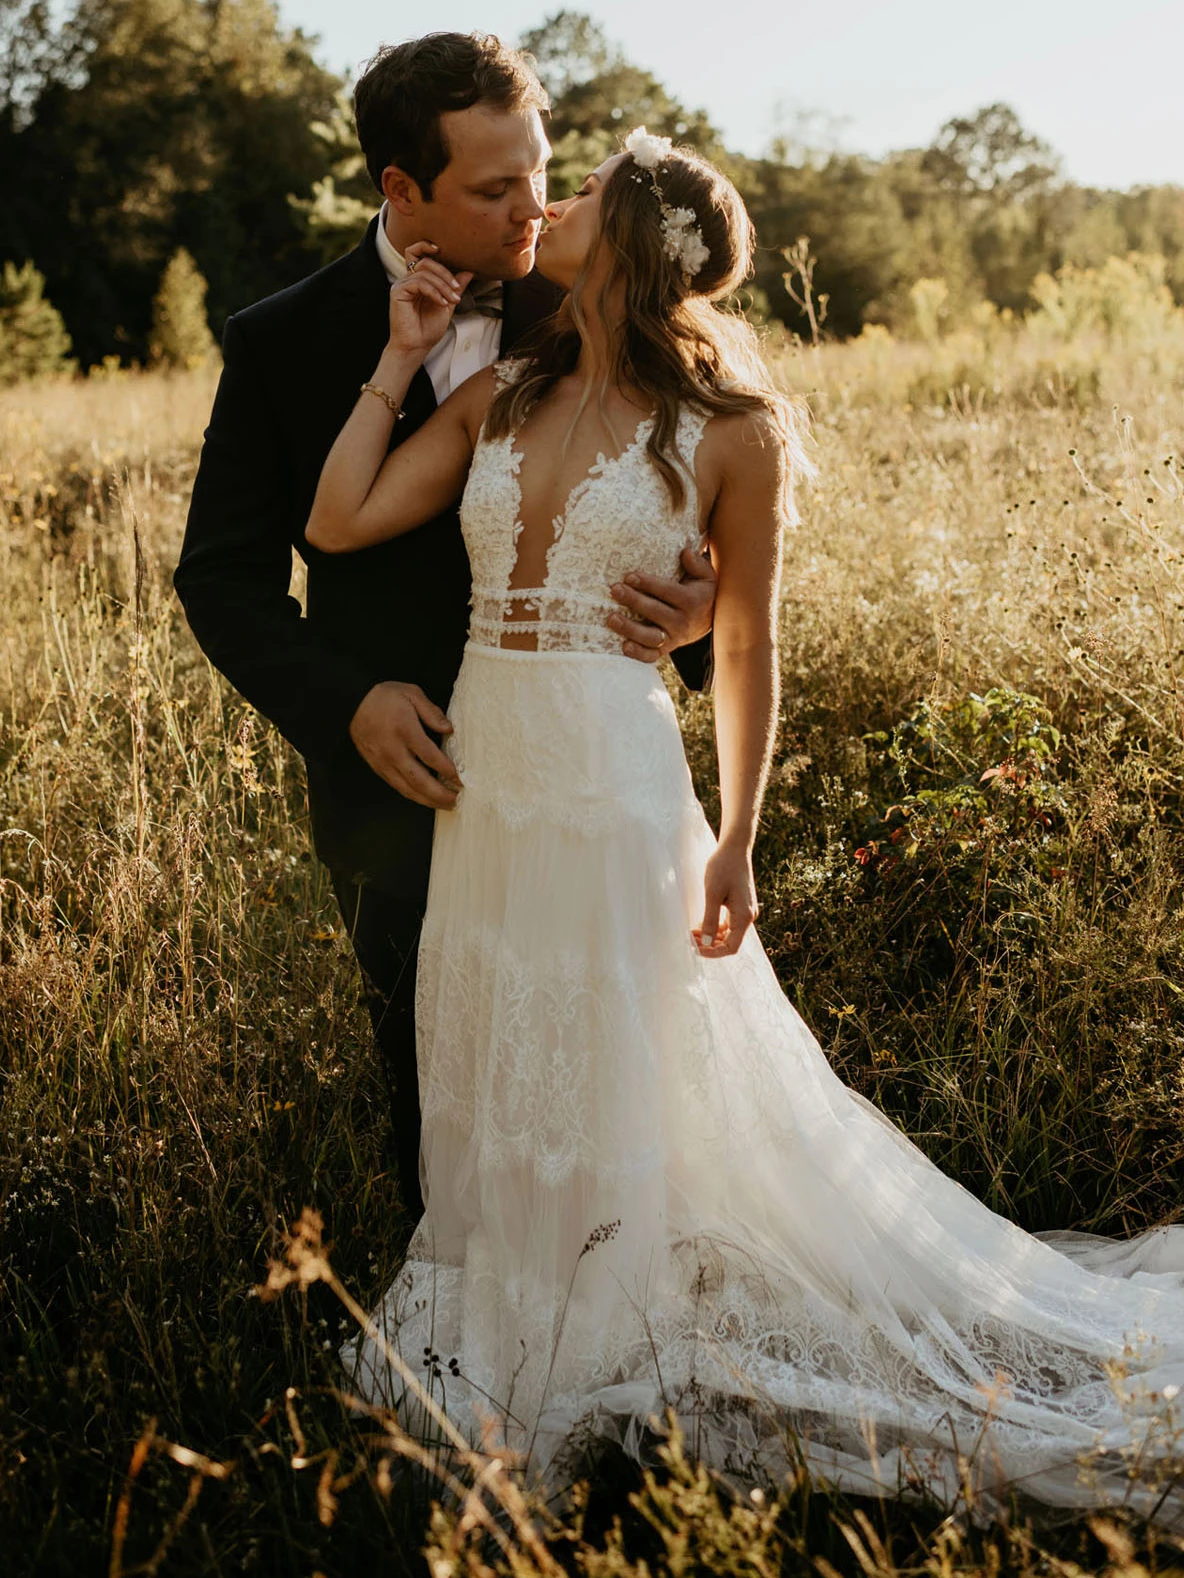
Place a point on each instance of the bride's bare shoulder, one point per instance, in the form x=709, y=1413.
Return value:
x=744, y=445
x=741, y=431
x=471, y=399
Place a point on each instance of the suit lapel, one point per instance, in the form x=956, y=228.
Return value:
x=364, y=324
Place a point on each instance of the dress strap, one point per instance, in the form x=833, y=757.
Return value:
x=505, y=373
x=509, y=370
x=692, y=424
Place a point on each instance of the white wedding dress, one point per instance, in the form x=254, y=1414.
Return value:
x=645, y=1187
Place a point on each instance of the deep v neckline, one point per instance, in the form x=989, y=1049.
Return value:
x=549, y=591
x=594, y=473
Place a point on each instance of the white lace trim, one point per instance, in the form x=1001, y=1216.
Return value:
x=617, y=518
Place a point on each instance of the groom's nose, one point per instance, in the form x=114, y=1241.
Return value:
x=529, y=209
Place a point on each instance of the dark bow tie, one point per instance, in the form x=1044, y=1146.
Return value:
x=483, y=296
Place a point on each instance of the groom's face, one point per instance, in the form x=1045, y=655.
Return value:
x=487, y=203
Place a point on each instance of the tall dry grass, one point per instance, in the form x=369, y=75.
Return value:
x=186, y=1064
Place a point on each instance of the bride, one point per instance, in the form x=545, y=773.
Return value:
x=645, y=1188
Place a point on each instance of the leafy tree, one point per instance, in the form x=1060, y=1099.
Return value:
x=569, y=48
x=180, y=331
x=342, y=203
x=856, y=229
x=158, y=124
x=1089, y=227
x=1001, y=180
x=597, y=96
x=936, y=243
x=623, y=96
x=33, y=338
x=990, y=156
x=203, y=125
x=1153, y=218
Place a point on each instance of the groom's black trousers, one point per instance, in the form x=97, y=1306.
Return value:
x=384, y=929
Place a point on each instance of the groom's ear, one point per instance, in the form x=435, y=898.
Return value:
x=400, y=191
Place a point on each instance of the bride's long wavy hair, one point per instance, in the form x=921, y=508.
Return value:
x=674, y=344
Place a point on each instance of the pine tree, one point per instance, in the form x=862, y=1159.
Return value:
x=33, y=338
x=180, y=333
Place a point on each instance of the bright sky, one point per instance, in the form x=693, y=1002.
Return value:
x=1101, y=82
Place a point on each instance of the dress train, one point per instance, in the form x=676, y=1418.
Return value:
x=646, y=1188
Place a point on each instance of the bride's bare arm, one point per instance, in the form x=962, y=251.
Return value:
x=366, y=495
x=745, y=537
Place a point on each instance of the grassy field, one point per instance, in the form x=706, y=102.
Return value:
x=988, y=580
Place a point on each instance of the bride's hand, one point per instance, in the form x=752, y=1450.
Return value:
x=730, y=891
x=421, y=306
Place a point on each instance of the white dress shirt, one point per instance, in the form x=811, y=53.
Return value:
x=470, y=342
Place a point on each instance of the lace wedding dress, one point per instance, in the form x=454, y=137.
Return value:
x=645, y=1188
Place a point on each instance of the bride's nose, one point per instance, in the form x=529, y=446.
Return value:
x=554, y=211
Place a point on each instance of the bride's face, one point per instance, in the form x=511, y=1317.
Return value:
x=572, y=227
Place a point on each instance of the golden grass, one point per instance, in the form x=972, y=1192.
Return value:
x=186, y=1065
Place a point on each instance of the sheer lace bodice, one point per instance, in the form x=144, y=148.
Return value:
x=618, y=518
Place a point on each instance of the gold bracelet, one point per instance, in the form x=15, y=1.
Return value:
x=388, y=400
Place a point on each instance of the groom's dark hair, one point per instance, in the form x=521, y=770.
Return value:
x=405, y=89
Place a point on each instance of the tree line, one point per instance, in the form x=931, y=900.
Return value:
x=202, y=140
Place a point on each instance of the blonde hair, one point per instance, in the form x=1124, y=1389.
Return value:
x=675, y=344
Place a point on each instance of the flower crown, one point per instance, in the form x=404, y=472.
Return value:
x=682, y=240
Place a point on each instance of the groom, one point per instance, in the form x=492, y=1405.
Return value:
x=452, y=132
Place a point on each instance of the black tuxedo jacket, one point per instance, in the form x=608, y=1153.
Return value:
x=292, y=368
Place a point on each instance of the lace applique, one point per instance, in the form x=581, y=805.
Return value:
x=617, y=518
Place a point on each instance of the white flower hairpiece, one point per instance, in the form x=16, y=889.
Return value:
x=682, y=240
x=648, y=151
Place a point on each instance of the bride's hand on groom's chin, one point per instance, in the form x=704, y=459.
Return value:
x=422, y=304
x=730, y=905
x=390, y=734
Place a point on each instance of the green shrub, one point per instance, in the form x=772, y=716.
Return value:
x=33, y=338
x=1126, y=298
x=980, y=813
x=180, y=333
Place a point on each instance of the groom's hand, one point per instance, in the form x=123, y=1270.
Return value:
x=389, y=730
x=658, y=615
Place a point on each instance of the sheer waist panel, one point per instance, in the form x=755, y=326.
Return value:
x=560, y=620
